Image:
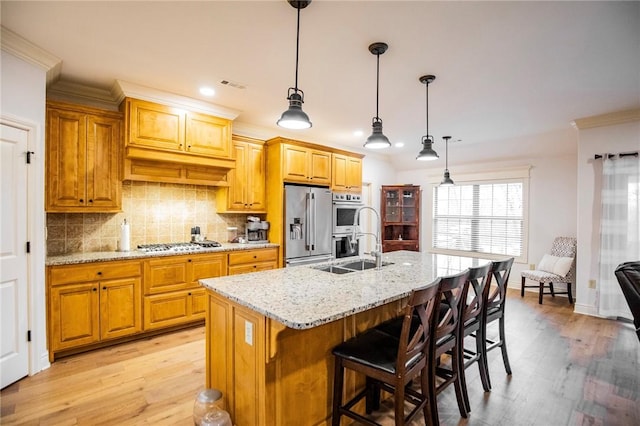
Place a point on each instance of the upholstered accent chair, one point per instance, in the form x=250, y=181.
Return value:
x=556, y=267
x=628, y=276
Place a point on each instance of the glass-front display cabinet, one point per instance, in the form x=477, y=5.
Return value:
x=400, y=213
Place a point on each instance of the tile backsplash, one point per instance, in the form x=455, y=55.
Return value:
x=156, y=212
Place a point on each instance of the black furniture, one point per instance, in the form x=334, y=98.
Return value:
x=628, y=276
x=494, y=311
x=391, y=362
x=479, y=281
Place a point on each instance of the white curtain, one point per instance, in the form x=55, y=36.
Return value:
x=619, y=229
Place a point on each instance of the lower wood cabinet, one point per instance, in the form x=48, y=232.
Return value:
x=97, y=304
x=172, y=293
x=105, y=302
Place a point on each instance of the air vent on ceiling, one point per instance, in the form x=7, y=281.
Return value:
x=232, y=84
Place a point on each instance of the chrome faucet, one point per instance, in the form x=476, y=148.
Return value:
x=377, y=251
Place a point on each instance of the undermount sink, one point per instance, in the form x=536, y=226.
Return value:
x=355, y=266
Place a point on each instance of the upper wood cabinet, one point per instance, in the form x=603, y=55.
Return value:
x=305, y=165
x=346, y=173
x=83, y=159
x=246, y=191
x=166, y=128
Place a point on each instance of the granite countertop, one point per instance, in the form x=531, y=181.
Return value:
x=302, y=297
x=105, y=256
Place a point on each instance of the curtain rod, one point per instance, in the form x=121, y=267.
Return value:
x=622, y=154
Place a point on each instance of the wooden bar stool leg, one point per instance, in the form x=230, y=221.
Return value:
x=338, y=380
x=503, y=347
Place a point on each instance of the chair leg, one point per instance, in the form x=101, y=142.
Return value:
x=522, y=287
x=398, y=404
x=424, y=387
x=553, y=294
x=338, y=380
x=463, y=380
x=373, y=396
x=482, y=357
x=432, y=396
x=569, y=293
x=503, y=346
x=540, y=292
x=457, y=383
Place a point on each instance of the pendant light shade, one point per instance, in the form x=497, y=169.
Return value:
x=294, y=117
x=427, y=153
x=377, y=140
x=447, y=181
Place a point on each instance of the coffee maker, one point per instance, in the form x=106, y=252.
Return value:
x=256, y=232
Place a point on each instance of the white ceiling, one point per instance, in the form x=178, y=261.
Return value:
x=505, y=71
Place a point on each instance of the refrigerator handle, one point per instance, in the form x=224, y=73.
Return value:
x=307, y=224
x=312, y=234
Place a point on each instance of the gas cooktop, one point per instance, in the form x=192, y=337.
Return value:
x=177, y=247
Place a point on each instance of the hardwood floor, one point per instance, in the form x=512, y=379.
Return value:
x=568, y=369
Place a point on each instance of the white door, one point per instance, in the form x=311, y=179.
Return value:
x=14, y=350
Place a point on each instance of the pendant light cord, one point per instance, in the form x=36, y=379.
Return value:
x=427, y=110
x=297, y=47
x=377, y=84
x=446, y=155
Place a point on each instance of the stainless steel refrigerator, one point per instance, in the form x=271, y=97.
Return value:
x=307, y=224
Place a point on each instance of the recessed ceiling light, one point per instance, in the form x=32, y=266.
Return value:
x=207, y=91
x=358, y=133
x=399, y=144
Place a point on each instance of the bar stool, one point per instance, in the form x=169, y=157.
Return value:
x=391, y=362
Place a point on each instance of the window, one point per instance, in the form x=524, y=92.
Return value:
x=478, y=217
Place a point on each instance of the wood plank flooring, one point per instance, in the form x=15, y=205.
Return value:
x=568, y=369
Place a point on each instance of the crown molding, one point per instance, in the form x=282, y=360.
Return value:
x=65, y=90
x=123, y=89
x=21, y=48
x=609, y=119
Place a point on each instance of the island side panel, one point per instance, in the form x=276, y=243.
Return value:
x=287, y=374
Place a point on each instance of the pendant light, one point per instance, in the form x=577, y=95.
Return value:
x=377, y=140
x=427, y=153
x=447, y=181
x=294, y=117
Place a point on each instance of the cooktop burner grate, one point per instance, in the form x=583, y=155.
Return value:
x=177, y=247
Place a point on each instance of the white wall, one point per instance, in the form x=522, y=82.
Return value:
x=599, y=140
x=22, y=99
x=552, y=191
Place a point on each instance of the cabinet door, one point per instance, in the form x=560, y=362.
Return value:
x=66, y=159
x=339, y=180
x=319, y=170
x=208, y=136
x=120, y=308
x=255, y=167
x=294, y=167
x=354, y=174
x=75, y=316
x=103, y=157
x=238, y=178
x=156, y=126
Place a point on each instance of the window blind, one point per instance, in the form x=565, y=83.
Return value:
x=480, y=218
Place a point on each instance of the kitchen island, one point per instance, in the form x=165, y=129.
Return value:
x=270, y=334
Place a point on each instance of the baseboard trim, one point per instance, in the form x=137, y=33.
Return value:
x=580, y=308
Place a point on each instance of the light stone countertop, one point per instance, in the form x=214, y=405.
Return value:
x=302, y=297
x=105, y=256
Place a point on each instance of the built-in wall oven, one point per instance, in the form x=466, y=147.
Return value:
x=344, y=211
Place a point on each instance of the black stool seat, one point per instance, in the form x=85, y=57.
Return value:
x=374, y=348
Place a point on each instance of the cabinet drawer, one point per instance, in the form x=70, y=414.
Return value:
x=253, y=256
x=174, y=308
x=244, y=269
x=68, y=274
x=166, y=274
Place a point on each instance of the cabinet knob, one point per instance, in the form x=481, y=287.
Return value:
x=90, y=200
x=81, y=200
x=94, y=289
x=189, y=294
x=189, y=260
x=99, y=273
x=104, y=287
x=255, y=256
x=189, y=146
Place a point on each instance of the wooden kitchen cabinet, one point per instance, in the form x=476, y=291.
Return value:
x=173, y=295
x=82, y=159
x=166, y=128
x=346, y=173
x=92, y=303
x=246, y=191
x=400, y=213
x=245, y=261
x=303, y=164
